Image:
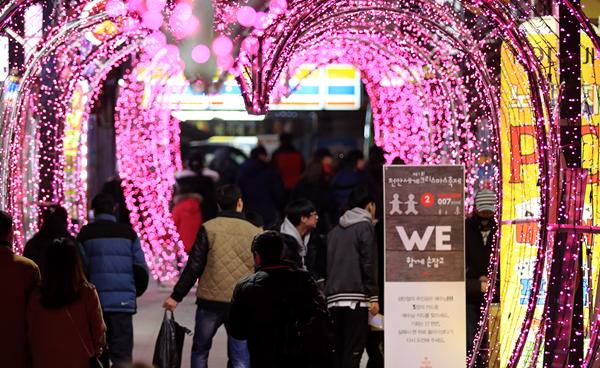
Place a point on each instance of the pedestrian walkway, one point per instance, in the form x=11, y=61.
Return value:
x=146, y=324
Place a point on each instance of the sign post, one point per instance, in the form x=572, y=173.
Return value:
x=425, y=321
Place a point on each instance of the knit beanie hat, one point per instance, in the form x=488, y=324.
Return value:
x=485, y=200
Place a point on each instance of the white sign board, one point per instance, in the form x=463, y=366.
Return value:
x=425, y=320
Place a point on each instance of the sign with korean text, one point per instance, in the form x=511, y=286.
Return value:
x=424, y=266
x=521, y=209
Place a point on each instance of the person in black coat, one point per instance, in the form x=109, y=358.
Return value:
x=201, y=184
x=351, y=175
x=261, y=187
x=280, y=312
x=55, y=223
x=113, y=188
x=313, y=186
x=352, y=289
x=479, y=236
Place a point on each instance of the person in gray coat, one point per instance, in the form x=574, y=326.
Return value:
x=352, y=290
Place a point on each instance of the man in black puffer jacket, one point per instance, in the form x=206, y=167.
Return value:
x=280, y=312
x=352, y=290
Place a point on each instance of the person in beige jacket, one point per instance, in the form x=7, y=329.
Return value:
x=18, y=278
x=220, y=256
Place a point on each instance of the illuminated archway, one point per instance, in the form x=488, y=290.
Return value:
x=413, y=56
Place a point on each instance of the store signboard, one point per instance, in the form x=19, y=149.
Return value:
x=425, y=320
x=330, y=87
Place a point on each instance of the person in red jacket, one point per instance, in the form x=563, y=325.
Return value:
x=187, y=215
x=288, y=162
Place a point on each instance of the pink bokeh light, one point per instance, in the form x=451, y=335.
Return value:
x=222, y=46
x=261, y=21
x=246, y=16
x=184, y=28
x=152, y=20
x=200, y=54
x=182, y=21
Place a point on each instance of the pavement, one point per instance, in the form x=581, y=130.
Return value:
x=146, y=324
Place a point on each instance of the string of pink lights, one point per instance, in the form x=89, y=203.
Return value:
x=149, y=157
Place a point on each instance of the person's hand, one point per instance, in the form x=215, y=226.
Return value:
x=170, y=304
x=374, y=308
x=485, y=284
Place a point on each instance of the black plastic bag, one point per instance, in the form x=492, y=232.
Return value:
x=169, y=344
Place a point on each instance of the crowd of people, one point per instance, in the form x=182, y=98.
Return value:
x=303, y=235
x=289, y=259
x=277, y=315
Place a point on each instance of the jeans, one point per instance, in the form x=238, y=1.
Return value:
x=208, y=321
x=119, y=338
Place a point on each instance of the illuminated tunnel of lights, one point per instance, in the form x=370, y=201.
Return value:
x=434, y=77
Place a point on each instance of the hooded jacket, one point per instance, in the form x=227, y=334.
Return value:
x=261, y=189
x=352, y=259
x=300, y=246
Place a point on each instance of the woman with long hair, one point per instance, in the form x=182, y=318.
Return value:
x=64, y=318
x=55, y=224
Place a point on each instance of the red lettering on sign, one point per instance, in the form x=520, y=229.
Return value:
x=527, y=233
x=517, y=159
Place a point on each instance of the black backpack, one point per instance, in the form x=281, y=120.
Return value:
x=306, y=339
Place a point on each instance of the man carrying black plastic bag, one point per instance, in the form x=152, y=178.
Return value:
x=169, y=344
